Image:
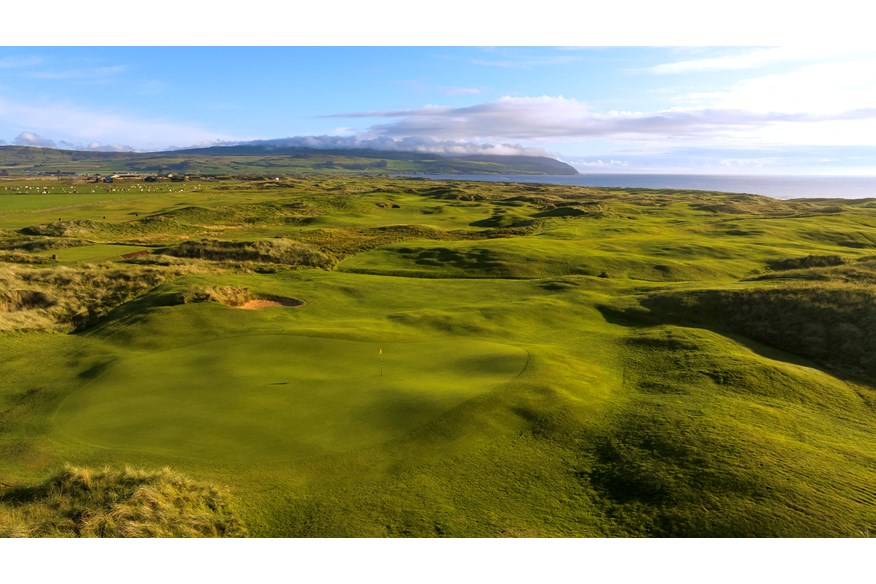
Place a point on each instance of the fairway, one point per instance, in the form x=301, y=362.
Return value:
x=280, y=397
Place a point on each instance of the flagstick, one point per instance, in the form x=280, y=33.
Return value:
x=380, y=352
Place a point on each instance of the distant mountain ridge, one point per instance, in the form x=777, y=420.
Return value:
x=270, y=159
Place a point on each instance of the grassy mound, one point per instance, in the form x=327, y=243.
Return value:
x=36, y=244
x=861, y=271
x=273, y=251
x=75, y=228
x=227, y=295
x=524, y=258
x=80, y=502
x=15, y=257
x=832, y=323
x=60, y=297
x=810, y=261
x=714, y=440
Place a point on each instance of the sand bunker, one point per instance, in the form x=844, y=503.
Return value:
x=265, y=303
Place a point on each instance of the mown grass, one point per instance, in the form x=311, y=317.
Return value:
x=280, y=397
x=557, y=361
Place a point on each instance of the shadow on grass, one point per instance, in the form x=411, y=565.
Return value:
x=655, y=311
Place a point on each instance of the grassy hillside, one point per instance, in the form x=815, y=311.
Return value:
x=266, y=161
x=433, y=359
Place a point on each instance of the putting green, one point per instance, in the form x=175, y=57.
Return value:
x=276, y=397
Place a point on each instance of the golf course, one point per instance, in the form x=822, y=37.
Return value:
x=368, y=356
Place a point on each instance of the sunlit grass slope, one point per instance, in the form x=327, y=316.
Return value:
x=714, y=439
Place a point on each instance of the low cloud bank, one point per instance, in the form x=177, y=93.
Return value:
x=418, y=144
x=421, y=144
x=33, y=139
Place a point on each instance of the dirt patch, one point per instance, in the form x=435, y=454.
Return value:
x=259, y=303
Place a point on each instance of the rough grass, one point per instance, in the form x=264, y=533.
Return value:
x=35, y=244
x=82, y=502
x=810, y=261
x=860, y=271
x=64, y=298
x=15, y=257
x=14, y=300
x=227, y=295
x=274, y=251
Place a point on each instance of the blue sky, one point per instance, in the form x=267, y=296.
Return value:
x=719, y=110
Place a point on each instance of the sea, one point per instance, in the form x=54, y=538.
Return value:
x=779, y=187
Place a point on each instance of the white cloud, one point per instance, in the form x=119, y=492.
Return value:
x=19, y=61
x=92, y=73
x=152, y=87
x=748, y=163
x=31, y=139
x=106, y=147
x=820, y=88
x=529, y=62
x=73, y=124
x=550, y=118
x=598, y=164
x=823, y=103
x=851, y=132
x=222, y=106
x=752, y=59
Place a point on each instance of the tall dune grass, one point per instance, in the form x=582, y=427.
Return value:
x=64, y=298
x=82, y=502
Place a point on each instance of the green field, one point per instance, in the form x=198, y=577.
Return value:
x=470, y=360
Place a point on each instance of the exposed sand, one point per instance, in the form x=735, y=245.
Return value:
x=262, y=303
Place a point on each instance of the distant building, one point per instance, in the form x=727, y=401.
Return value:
x=122, y=176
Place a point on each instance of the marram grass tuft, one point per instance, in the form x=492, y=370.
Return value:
x=81, y=502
